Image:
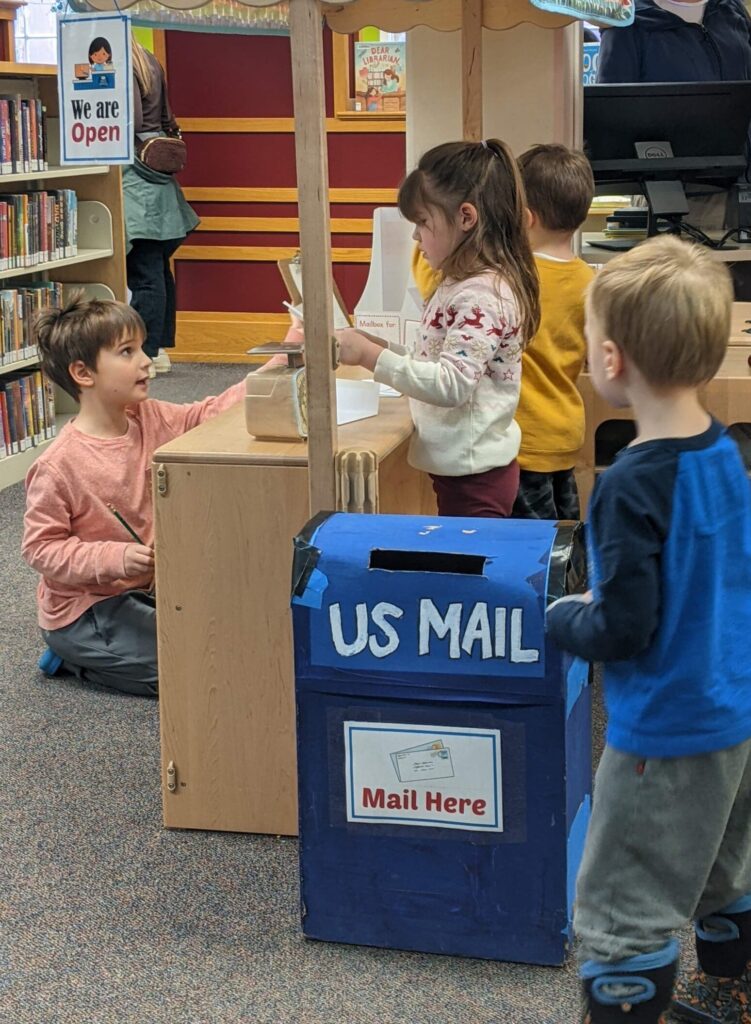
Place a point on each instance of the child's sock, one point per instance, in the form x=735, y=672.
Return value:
x=50, y=663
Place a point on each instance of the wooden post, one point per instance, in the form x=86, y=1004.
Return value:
x=472, y=70
x=306, y=35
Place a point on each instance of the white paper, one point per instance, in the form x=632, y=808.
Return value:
x=356, y=400
x=383, y=325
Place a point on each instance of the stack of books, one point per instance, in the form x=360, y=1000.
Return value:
x=27, y=411
x=18, y=308
x=23, y=135
x=37, y=227
x=630, y=222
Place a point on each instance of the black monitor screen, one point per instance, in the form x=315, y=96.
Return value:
x=705, y=123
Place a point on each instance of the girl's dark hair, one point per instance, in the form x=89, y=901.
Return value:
x=79, y=331
x=100, y=43
x=484, y=174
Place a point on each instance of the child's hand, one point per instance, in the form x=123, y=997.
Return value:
x=139, y=560
x=350, y=346
x=357, y=350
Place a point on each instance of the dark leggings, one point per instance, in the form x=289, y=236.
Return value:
x=488, y=495
x=547, y=495
x=152, y=289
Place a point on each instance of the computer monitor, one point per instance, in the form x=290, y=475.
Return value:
x=655, y=138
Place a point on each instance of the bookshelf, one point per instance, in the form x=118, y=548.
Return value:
x=98, y=266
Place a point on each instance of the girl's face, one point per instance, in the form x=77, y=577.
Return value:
x=437, y=236
x=99, y=57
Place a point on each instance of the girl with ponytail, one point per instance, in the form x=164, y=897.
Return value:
x=462, y=369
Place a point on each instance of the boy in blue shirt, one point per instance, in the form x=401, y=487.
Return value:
x=669, y=614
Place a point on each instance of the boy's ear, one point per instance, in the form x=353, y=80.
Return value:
x=81, y=375
x=531, y=218
x=613, y=362
x=467, y=216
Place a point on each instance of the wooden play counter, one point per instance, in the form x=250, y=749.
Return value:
x=227, y=508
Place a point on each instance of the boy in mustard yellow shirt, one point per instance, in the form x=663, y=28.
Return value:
x=559, y=187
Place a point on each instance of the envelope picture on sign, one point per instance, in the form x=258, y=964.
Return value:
x=425, y=762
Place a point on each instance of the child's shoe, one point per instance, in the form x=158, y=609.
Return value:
x=662, y=1020
x=162, y=362
x=703, y=999
x=50, y=663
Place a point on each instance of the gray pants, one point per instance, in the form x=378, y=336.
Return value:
x=112, y=644
x=669, y=840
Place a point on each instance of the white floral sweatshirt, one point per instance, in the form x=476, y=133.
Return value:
x=463, y=378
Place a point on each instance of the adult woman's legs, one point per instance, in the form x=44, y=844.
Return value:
x=170, y=312
x=145, y=267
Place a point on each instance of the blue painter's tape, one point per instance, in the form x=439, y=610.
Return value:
x=577, y=678
x=574, y=850
x=312, y=597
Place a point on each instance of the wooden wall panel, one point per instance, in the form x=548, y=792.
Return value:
x=244, y=142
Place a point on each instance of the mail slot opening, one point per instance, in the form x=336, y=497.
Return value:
x=427, y=561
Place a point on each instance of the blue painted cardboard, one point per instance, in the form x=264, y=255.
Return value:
x=485, y=892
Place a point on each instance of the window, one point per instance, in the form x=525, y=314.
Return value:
x=36, y=33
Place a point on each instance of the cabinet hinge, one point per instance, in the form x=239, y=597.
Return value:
x=161, y=480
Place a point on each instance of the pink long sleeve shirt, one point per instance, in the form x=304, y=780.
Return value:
x=71, y=538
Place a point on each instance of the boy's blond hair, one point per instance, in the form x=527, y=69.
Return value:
x=667, y=305
x=559, y=185
x=78, y=332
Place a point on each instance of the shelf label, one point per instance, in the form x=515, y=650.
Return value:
x=95, y=89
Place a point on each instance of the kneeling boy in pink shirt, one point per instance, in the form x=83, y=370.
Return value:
x=95, y=600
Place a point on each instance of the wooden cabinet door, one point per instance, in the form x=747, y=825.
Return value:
x=224, y=552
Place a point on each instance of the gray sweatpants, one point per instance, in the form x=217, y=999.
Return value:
x=669, y=840
x=112, y=644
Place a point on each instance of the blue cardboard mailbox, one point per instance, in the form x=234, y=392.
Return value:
x=444, y=743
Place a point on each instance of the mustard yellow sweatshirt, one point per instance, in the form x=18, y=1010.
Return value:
x=550, y=411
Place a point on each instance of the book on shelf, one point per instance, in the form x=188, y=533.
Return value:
x=23, y=135
x=27, y=411
x=18, y=309
x=37, y=227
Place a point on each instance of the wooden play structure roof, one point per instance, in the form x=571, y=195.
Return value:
x=349, y=16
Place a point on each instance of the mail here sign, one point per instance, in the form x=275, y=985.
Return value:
x=423, y=775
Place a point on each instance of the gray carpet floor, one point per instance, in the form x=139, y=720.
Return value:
x=106, y=917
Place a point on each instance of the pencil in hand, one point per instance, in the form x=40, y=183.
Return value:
x=122, y=522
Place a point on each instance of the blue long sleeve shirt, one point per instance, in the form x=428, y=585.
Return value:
x=670, y=553
x=661, y=47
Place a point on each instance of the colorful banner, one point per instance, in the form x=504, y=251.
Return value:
x=95, y=89
x=602, y=12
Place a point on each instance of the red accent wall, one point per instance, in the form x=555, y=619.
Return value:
x=225, y=76
x=251, y=287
